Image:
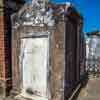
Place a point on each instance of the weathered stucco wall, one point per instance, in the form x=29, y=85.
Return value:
x=59, y=62
x=65, y=28
x=56, y=54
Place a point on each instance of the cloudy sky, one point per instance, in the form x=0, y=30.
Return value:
x=89, y=9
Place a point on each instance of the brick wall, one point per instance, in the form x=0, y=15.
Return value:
x=6, y=9
x=5, y=51
x=2, y=48
x=5, y=37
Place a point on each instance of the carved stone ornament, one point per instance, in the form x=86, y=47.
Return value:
x=39, y=14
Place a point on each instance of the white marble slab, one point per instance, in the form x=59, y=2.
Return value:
x=34, y=63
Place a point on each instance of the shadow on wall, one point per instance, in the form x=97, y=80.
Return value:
x=84, y=82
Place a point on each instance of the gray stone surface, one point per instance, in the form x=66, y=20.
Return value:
x=91, y=91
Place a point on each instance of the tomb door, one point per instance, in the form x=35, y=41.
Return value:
x=35, y=62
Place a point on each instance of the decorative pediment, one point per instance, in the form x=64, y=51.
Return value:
x=40, y=13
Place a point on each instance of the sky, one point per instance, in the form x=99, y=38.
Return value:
x=89, y=9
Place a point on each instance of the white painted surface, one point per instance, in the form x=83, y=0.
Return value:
x=34, y=63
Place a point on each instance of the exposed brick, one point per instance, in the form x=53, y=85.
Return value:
x=4, y=46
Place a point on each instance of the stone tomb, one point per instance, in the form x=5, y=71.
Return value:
x=38, y=50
